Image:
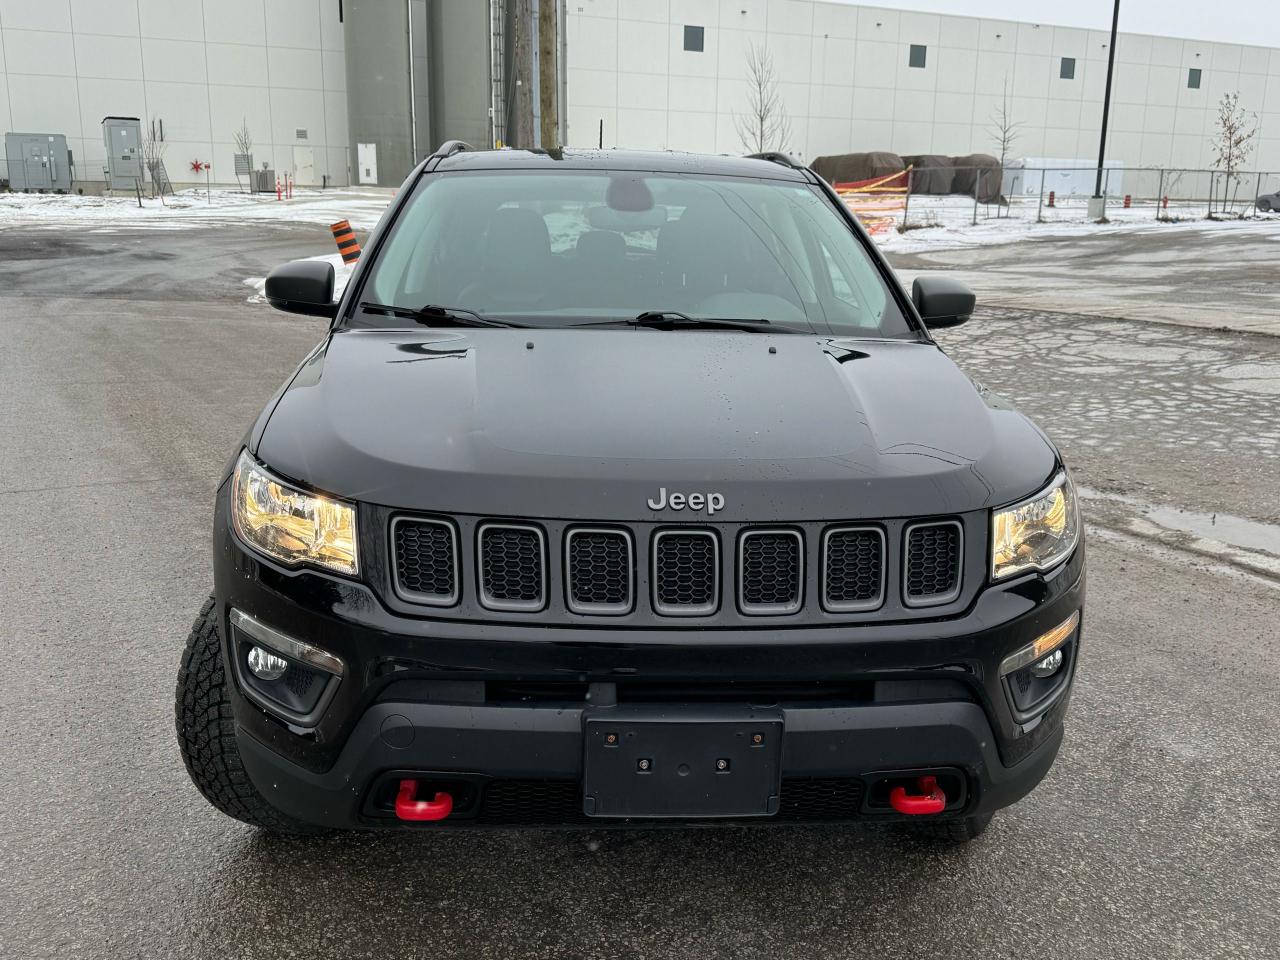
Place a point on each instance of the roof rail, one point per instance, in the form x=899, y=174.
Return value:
x=777, y=156
x=450, y=147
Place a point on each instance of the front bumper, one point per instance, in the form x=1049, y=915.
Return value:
x=499, y=712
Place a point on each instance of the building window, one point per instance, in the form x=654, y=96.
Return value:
x=1193, y=78
x=693, y=39
x=916, y=57
x=1068, y=69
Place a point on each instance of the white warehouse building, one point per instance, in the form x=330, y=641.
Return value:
x=317, y=83
x=673, y=74
x=200, y=69
x=355, y=91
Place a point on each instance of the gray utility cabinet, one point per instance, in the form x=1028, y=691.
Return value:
x=122, y=136
x=38, y=161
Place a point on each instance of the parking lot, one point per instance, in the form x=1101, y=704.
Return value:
x=131, y=366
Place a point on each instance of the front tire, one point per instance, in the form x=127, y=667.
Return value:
x=207, y=738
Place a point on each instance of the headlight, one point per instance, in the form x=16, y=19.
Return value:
x=1036, y=534
x=289, y=524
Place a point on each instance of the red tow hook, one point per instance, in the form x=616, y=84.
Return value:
x=930, y=800
x=407, y=808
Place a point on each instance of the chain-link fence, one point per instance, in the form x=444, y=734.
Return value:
x=1061, y=194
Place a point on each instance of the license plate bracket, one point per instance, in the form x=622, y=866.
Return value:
x=682, y=764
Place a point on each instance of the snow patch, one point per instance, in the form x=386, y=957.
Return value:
x=192, y=209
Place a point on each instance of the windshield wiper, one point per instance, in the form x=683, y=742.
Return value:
x=675, y=320
x=434, y=315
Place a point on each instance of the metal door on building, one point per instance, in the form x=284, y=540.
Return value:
x=39, y=175
x=304, y=166
x=367, y=162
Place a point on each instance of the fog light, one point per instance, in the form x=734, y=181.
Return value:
x=1042, y=648
x=1048, y=666
x=265, y=665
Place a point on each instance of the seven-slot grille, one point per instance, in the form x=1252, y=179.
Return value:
x=426, y=560
x=599, y=571
x=685, y=568
x=686, y=573
x=770, y=571
x=513, y=567
x=852, y=569
x=931, y=563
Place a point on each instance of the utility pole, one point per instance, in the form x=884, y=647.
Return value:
x=520, y=131
x=1098, y=203
x=548, y=50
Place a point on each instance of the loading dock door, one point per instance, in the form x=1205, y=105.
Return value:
x=367, y=162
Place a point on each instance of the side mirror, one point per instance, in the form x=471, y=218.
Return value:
x=303, y=286
x=941, y=301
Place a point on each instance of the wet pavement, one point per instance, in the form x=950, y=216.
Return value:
x=1179, y=273
x=126, y=380
x=1177, y=416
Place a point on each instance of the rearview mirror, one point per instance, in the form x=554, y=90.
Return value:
x=303, y=286
x=942, y=301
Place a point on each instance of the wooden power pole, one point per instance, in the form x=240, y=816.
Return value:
x=548, y=75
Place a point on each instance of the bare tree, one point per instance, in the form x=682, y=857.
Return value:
x=1004, y=128
x=765, y=126
x=244, y=147
x=1233, y=142
x=153, y=149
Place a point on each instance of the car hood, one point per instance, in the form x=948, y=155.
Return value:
x=592, y=424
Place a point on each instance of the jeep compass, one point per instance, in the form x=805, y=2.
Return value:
x=630, y=489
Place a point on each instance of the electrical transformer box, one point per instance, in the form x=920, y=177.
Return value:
x=38, y=161
x=122, y=137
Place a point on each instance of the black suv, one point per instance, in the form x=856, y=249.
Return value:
x=630, y=488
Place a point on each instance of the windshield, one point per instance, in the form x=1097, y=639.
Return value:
x=581, y=247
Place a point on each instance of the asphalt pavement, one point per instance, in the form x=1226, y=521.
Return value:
x=131, y=366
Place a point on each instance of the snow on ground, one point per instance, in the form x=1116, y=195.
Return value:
x=947, y=222
x=938, y=222
x=192, y=209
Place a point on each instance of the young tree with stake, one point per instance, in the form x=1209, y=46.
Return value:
x=244, y=147
x=1233, y=142
x=153, y=150
x=1004, y=128
x=765, y=126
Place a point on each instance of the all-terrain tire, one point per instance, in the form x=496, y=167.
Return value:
x=954, y=831
x=206, y=734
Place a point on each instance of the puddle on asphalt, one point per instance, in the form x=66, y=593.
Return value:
x=1223, y=527
x=1236, y=531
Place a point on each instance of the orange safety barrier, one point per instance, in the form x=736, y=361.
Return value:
x=876, y=202
x=346, y=240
